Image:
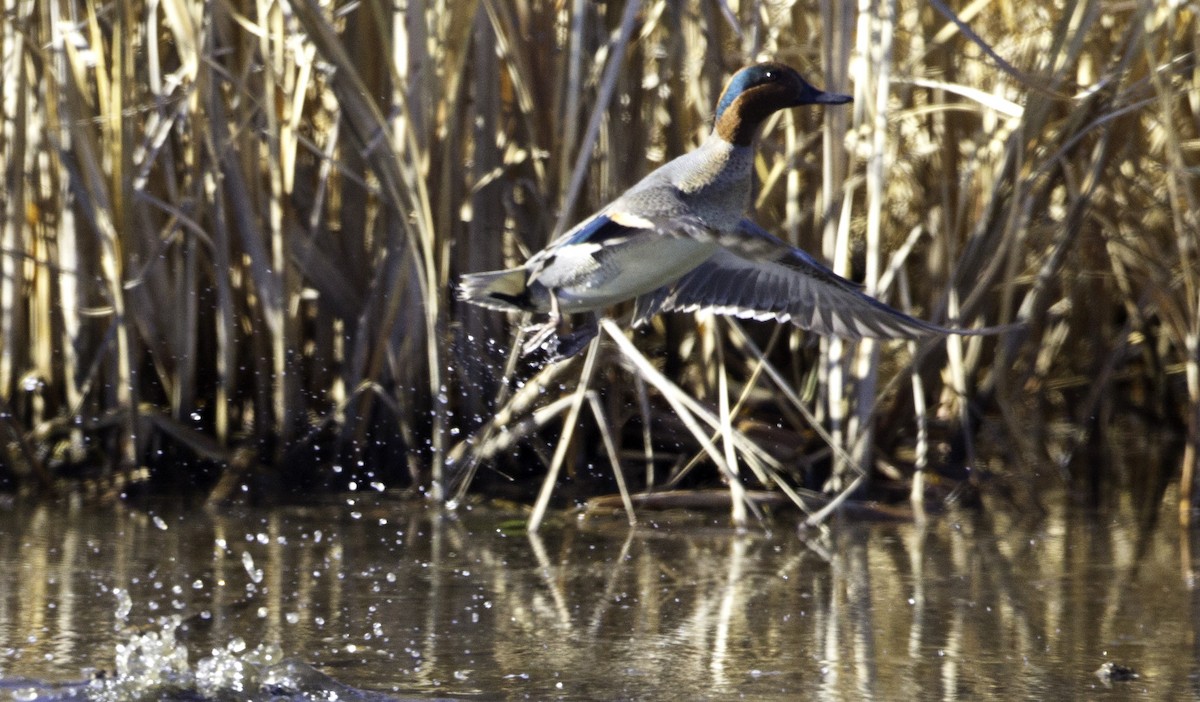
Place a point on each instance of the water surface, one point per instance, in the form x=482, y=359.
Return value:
x=363, y=597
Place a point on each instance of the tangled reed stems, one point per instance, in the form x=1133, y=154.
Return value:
x=231, y=230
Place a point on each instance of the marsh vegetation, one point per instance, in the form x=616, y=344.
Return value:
x=231, y=230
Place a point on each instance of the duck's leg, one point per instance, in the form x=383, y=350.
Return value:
x=539, y=334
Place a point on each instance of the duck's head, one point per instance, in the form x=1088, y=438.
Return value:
x=757, y=91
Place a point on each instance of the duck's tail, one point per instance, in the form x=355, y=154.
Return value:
x=497, y=290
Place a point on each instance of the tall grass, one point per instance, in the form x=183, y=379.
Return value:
x=231, y=232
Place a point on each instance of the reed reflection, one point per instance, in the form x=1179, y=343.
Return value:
x=387, y=596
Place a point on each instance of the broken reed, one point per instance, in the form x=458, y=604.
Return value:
x=231, y=229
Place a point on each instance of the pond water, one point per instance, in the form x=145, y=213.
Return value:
x=385, y=600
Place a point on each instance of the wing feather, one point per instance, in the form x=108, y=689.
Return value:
x=760, y=277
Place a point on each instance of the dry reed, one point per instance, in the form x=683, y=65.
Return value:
x=231, y=231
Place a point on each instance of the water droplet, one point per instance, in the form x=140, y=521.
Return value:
x=124, y=603
x=255, y=574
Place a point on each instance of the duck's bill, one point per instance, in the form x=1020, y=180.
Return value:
x=823, y=98
x=812, y=95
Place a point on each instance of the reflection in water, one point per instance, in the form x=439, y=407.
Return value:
x=386, y=597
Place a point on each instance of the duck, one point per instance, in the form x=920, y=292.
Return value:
x=679, y=240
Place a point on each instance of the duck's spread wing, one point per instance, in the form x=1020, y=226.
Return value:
x=760, y=277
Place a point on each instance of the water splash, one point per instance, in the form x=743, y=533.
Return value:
x=155, y=665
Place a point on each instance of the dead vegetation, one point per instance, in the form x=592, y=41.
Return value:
x=231, y=231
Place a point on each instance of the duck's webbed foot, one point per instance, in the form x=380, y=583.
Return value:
x=570, y=344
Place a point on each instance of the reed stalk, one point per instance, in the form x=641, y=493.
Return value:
x=232, y=230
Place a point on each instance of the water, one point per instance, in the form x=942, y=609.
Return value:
x=383, y=600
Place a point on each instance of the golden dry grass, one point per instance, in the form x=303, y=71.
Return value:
x=231, y=230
